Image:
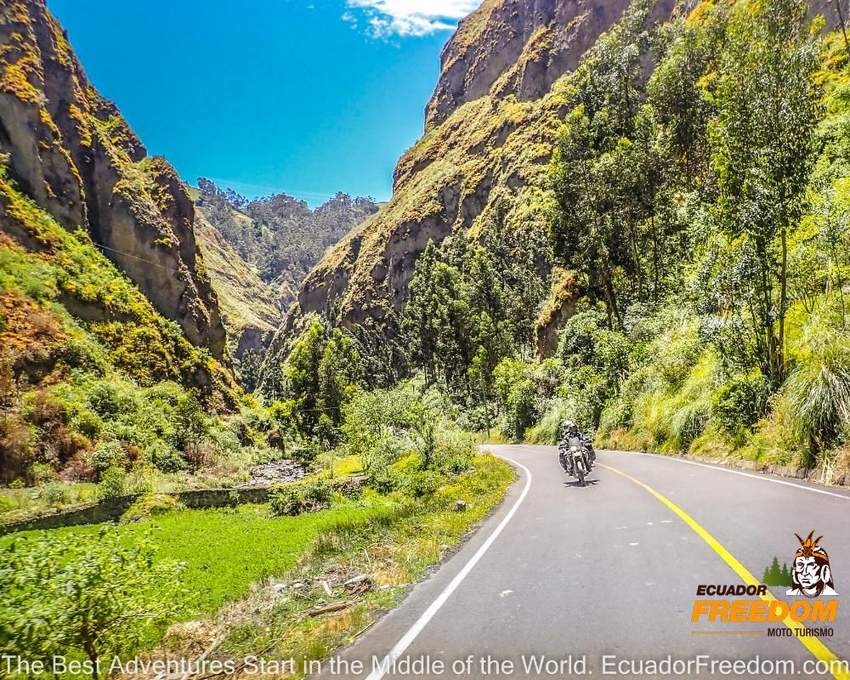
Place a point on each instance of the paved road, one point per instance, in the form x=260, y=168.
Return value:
x=565, y=572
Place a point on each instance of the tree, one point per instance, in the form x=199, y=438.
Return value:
x=774, y=575
x=8, y=388
x=372, y=424
x=192, y=427
x=423, y=416
x=339, y=375
x=521, y=409
x=421, y=313
x=762, y=149
x=586, y=232
x=513, y=258
x=249, y=369
x=320, y=375
x=483, y=384
x=102, y=597
x=439, y=316
x=678, y=101
x=301, y=376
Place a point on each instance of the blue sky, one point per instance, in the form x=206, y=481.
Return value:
x=304, y=96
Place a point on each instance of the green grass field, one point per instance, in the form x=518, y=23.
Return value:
x=225, y=551
x=393, y=538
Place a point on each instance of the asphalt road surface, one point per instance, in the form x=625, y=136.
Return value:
x=601, y=579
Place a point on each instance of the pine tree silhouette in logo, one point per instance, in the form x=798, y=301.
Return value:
x=774, y=575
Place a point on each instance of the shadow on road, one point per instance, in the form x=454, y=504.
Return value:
x=589, y=482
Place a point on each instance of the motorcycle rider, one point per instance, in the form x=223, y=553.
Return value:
x=569, y=430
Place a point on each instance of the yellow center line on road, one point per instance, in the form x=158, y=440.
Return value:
x=813, y=644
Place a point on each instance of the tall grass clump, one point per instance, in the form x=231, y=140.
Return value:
x=818, y=389
x=548, y=430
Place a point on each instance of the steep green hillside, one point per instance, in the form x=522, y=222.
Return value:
x=112, y=349
x=71, y=325
x=73, y=154
x=481, y=165
x=249, y=306
x=667, y=223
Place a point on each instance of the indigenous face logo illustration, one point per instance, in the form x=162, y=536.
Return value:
x=811, y=574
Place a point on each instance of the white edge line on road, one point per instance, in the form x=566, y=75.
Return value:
x=389, y=660
x=720, y=468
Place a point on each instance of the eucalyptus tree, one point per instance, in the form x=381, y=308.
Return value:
x=762, y=141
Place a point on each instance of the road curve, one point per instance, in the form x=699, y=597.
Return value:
x=604, y=577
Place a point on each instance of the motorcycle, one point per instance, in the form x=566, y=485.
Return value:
x=575, y=459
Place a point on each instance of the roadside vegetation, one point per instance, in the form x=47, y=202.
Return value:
x=698, y=227
x=697, y=236
x=254, y=579
x=100, y=397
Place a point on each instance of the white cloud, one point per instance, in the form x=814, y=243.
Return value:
x=410, y=17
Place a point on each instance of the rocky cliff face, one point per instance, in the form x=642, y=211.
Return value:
x=509, y=76
x=518, y=47
x=75, y=156
x=501, y=97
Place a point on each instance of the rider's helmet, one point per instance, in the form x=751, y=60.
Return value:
x=569, y=427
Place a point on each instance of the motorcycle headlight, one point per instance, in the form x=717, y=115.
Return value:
x=574, y=448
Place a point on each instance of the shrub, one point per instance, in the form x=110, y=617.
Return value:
x=372, y=418
x=578, y=338
x=199, y=455
x=385, y=480
x=285, y=501
x=42, y=409
x=454, y=450
x=16, y=447
x=54, y=494
x=63, y=443
x=106, y=400
x=140, y=480
x=687, y=423
x=96, y=598
x=777, y=439
x=422, y=483
x=548, y=430
x=113, y=484
x=78, y=469
x=586, y=341
x=521, y=409
x=616, y=414
x=452, y=443
x=304, y=451
x=151, y=505
x=165, y=458
x=585, y=391
x=675, y=352
x=457, y=465
x=42, y=473
x=107, y=454
x=740, y=402
x=293, y=499
x=88, y=423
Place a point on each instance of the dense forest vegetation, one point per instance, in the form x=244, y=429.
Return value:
x=699, y=232
x=280, y=235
